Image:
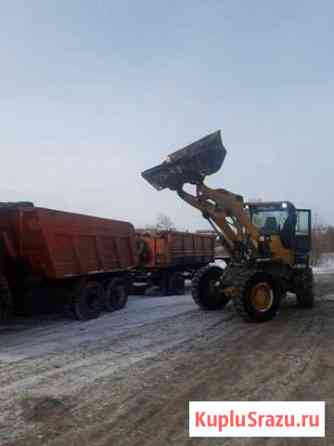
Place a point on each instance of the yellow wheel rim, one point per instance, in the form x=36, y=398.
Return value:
x=262, y=296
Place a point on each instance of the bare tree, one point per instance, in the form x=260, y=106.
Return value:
x=164, y=223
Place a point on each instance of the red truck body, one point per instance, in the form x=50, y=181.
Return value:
x=56, y=244
x=166, y=258
x=88, y=255
x=171, y=248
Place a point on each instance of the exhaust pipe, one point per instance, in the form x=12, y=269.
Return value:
x=188, y=165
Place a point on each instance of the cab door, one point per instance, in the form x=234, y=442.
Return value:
x=303, y=236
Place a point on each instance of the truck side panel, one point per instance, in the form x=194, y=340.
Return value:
x=33, y=248
x=79, y=244
x=191, y=249
x=167, y=249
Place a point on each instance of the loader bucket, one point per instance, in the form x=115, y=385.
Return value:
x=188, y=165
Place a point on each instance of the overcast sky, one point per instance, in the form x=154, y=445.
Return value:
x=94, y=92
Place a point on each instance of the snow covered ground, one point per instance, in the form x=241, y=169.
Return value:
x=326, y=264
x=125, y=378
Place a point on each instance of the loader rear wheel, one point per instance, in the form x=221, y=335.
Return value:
x=6, y=301
x=258, y=299
x=304, y=288
x=206, y=290
x=115, y=296
x=87, y=301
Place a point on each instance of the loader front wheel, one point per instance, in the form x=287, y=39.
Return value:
x=258, y=299
x=206, y=290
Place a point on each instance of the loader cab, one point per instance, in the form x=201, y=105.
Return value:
x=282, y=219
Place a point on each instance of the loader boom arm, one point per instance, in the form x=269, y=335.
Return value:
x=222, y=208
x=225, y=211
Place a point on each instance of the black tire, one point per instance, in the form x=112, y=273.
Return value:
x=6, y=301
x=251, y=287
x=176, y=284
x=304, y=288
x=87, y=301
x=204, y=291
x=115, y=295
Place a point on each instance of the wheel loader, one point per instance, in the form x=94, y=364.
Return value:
x=268, y=243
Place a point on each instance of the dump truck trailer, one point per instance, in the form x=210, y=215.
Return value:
x=167, y=258
x=88, y=258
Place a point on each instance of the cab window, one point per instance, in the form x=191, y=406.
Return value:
x=303, y=222
x=269, y=221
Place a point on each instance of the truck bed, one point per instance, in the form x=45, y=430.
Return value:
x=173, y=248
x=56, y=244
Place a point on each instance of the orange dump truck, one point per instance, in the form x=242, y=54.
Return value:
x=87, y=259
x=167, y=258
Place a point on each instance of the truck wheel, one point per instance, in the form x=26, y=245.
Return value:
x=87, y=301
x=258, y=299
x=205, y=290
x=115, y=295
x=304, y=288
x=176, y=284
x=6, y=301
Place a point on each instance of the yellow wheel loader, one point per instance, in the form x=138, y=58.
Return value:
x=268, y=243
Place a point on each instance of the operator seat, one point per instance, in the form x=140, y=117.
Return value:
x=270, y=226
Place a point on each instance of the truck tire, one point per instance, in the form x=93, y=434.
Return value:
x=304, y=288
x=115, y=295
x=6, y=300
x=258, y=297
x=87, y=301
x=204, y=291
